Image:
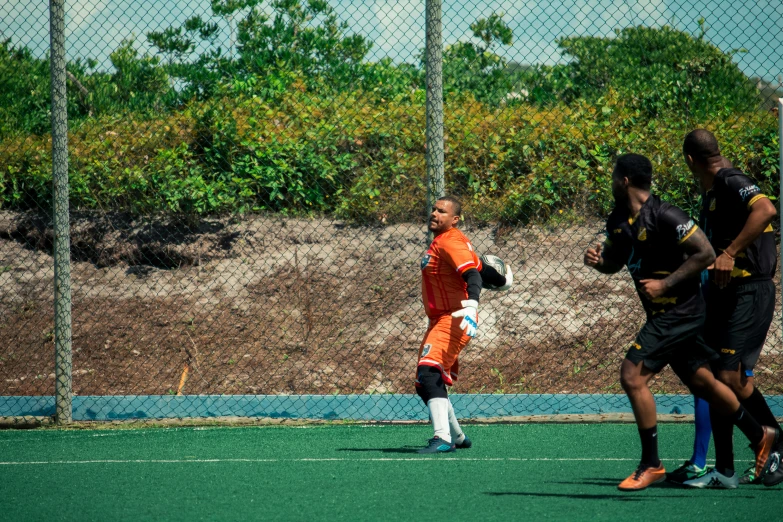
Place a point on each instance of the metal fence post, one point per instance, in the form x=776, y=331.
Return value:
x=62, y=241
x=780, y=173
x=434, y=104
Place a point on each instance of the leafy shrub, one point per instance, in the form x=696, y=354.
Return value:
x=363, y=159
x=659, y=70
x=291, y=140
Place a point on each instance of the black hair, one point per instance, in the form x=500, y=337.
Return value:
x=456, y=205
x=701, y=145
x=636, y=168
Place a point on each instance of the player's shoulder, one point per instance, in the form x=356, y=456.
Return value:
x=663, y=210
x=734, y=183
x=660, y=208
x=732, y=178
x=454, y=235
x=450, y=240
x=729, y=173
x=617, y=220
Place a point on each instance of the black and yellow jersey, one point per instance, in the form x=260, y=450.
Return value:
x=724, y=211
x=650, y=246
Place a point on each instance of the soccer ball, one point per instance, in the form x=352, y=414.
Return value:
x=498, y=264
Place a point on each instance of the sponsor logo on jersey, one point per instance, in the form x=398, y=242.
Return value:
x=746, y=192
x=642, y=234
x=425, y=261
x=682, y=230
x=426, y=349
x=635, y=346
x=617, y=230
x=728, y=350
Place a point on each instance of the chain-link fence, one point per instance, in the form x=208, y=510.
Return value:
x=249, y=182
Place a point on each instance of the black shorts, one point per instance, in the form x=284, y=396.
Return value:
x=738, y=319
x=673, y=338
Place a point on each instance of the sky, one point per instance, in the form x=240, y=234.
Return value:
x=94, y=28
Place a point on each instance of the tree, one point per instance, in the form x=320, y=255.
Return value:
x=25, y=97
x=476, y=67
x=138, y=80
x=301, y=36
x=24, y=91
x=659, y=69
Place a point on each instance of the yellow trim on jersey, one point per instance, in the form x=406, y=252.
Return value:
x=689, y=234
x=755, y=198
x=738, y=272
x=665, y=300
x=769, y=228
x=632, y=220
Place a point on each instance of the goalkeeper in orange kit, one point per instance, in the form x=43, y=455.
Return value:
x=452, y=276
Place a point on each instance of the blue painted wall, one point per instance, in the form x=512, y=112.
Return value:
x=334, y=407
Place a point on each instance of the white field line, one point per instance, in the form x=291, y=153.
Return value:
x=163, y=431
x=379, y=459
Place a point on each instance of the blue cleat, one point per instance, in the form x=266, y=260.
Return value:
x=465, y=444
x=437, y=445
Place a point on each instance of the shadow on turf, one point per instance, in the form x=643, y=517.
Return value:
x=582, y=496
x=625, y=497
x=405, y=449
x=609, y=482
x=601, y=481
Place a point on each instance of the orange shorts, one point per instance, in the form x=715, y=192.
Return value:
x=442, y=345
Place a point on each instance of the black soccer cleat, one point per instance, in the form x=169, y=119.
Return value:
x=437, y=445
x=774, y=475
x=749, y=476
x=465, y=444
x=687, y=471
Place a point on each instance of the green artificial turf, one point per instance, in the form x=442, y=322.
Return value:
x=535, y=471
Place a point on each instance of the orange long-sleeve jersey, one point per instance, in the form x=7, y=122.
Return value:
x=442, y=288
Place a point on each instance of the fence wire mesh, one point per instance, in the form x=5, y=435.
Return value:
x=248, y=193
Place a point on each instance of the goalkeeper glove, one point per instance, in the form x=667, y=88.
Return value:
x=509, y=279
x=469, y=314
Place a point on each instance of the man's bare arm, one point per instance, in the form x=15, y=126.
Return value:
x=700, y=256
x=761, y=215
x=593, y=258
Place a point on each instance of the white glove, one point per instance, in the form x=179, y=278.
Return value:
x=469, y=314
x=509, y=279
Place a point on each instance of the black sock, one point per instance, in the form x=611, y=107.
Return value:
x=748, y=425
x=650, y=447
x=723, y=437
x=757, y=406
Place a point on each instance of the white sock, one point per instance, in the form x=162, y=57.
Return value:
x=457, y=437
x=439, y=414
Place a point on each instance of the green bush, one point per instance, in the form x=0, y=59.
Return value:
x=362, y=159
x=293, y=140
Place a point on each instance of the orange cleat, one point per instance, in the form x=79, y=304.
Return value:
x=643, y=476
x=764, y=449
